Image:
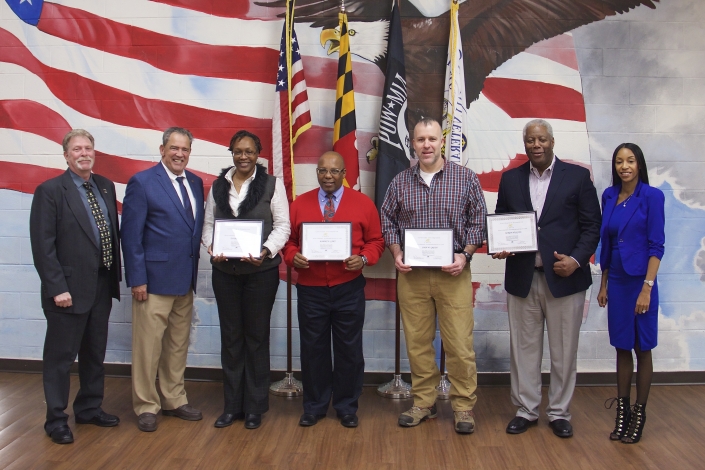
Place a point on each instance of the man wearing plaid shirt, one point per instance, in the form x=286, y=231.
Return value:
x=436, y=194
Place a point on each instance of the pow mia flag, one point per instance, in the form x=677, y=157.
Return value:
x=393, y=155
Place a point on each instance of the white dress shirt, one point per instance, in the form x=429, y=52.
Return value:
x=538, y=187
x=177, y=187
x=279, y=207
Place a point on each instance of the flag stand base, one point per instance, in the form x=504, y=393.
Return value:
x=443, y=388
x=287, y=387
x=397, y=388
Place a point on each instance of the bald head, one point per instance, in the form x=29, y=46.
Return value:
x=331, y=171
x=334, y=157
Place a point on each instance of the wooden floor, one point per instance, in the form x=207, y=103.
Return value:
x=673, y=437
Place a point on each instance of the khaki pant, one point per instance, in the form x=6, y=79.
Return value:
x=527, y=316
x=422, y=293
x=160, y=337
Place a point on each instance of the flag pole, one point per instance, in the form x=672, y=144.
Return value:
x=396, y=388
x=289, y=386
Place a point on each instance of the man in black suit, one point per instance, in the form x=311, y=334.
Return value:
x=73, y=229
x=547, y=286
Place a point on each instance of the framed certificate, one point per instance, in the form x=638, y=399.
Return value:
x=515, y=232
x=326, y=241
x=236, y=238
x=428, y=247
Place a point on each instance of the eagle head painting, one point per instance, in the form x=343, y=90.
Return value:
x=493, y=32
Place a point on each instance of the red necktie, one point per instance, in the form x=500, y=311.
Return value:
x=328, y=209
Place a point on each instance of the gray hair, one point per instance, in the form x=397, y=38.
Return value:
x=538, y=122
x=76, y=133
x=177, y=130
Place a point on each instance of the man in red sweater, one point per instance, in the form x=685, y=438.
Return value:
x=331, y=294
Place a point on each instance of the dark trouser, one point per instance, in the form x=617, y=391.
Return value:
x=244, y=308
x=68, y=335
x=339, y=310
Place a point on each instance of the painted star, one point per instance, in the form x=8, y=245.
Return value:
x=28, y=1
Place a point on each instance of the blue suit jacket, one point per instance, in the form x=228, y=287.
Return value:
x=569, y=224
x=160, y=244
x=641, y=233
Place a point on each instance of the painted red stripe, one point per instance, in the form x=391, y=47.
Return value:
x=24, y=178
x=559, y=49
x=158, y=50
x=323, y=73
x=525, y=98
x=30, y=116
x=244, y=9
x=35, y=118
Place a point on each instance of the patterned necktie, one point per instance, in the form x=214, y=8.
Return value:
x=328, y=209
x=106, y=241
x=184, y=195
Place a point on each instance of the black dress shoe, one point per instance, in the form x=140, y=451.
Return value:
x=253, y=421
x=62, y=435
x=561, y=428
x=519, y=425
x=349, y=421
x=102, y=419
x=226, y=419
x=309, y=419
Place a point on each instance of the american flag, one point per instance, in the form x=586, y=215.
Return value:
x=292, y=113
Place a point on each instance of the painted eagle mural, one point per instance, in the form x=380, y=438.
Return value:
x=492, y=31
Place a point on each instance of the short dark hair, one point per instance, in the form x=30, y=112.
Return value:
x=177, y=130
x=640, y=163
x=427, y=121
x=239, y=135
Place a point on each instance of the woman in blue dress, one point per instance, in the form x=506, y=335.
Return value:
x=632, y=237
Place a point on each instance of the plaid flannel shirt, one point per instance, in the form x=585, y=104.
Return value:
x=454, y=200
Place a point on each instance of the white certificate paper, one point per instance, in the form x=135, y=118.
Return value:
x=429, y=248
x=326, y=241
x=514, y=232
x=237, y=238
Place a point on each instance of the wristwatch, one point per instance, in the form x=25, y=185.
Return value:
x=364, y=260
x=650, y=283
x=468, y=256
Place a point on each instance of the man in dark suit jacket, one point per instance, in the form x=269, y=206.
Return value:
x=73, y=229
x=548, y=286
x=162, y=219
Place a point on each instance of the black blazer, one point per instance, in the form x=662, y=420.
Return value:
x=66, y=253
x=569, y=224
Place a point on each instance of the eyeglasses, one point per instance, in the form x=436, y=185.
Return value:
x=333, y=171
x=248, y=152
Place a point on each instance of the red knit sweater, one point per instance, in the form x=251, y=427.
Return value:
x=367, y=238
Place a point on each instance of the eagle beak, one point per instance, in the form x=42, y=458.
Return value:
x=333, y=36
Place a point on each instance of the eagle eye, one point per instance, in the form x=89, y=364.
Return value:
x=351, y=32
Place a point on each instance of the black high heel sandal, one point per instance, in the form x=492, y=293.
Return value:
x=621, y=422
x=636, y=424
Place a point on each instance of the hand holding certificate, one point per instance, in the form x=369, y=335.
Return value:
x=428, y=248
x=512, y=232
x=235, y=238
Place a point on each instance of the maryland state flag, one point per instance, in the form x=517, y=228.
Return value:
x=344, y=135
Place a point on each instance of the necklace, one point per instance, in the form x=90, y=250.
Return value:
x=624, y=203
